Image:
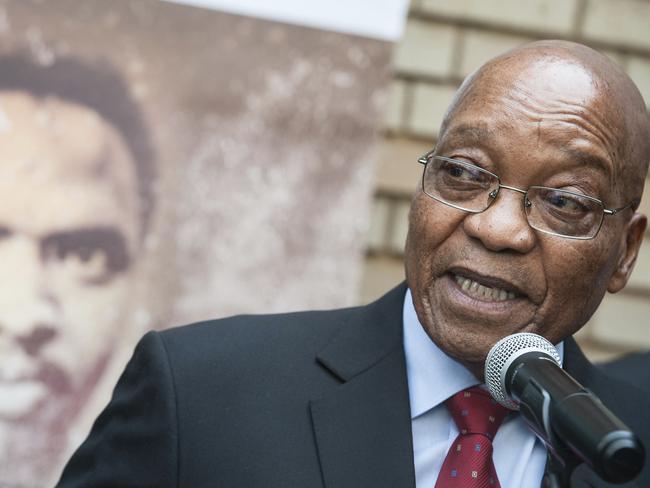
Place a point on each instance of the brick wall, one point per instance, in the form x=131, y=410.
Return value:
x=443, y=42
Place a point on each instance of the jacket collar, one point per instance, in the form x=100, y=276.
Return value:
x=363, y=427
x=369, y=334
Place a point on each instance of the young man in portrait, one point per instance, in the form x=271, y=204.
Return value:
x=76, y=181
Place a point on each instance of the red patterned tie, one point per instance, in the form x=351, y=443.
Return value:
x=469, y=461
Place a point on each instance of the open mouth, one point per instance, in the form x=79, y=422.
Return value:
x=483, y=292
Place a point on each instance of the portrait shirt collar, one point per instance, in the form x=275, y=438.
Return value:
x=432, y=375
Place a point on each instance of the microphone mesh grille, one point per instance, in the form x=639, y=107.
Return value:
x=499, y=357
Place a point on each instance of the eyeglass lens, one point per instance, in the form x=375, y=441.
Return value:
x=468, y=187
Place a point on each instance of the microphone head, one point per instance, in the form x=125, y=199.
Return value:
x=502, y=355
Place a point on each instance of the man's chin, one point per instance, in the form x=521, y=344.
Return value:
x=466, y=343
x=466, y=353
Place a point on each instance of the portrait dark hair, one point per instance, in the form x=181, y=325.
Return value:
x=100, y=87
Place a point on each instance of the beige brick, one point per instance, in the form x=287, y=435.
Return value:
x=378, y=229
x=395, y=109
x=400, y=226
x=641, y=274
x=399, y=171
x=551, y=16
x=479, y=46
x=639, y=70
x=430, y=103
x=380, y=274
x=426, y=49
x=622, y=320
x=624, y=22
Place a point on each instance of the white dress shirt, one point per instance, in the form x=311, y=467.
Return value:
x=519, y=457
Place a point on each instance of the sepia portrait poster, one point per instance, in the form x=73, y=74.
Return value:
x=169, y=162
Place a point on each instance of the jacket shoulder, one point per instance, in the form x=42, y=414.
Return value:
x=242, y=342
x=263, y=327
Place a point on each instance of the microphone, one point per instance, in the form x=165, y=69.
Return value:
x=523, y=372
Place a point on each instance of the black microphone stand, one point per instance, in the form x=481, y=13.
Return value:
x=561, y=461
x=560, y=464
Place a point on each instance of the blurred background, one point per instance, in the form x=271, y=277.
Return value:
x=172, y=161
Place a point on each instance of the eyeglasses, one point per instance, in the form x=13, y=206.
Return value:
x=472, y=189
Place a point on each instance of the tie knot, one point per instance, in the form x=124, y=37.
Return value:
x=475, y=412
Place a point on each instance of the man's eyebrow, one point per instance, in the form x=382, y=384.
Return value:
x=4, y=231
x=108, y=239
x=471, y=133
x=589, y=159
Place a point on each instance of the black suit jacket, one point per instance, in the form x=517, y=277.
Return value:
x=310, y=399
x=633, y=369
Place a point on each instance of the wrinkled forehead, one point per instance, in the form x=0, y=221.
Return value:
x=541, y=89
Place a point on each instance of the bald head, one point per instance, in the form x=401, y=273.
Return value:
x=546, y=77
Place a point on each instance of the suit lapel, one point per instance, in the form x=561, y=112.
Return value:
x=363, y=428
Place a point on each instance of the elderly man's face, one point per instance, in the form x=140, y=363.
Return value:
x=546, y=124
x=68, y=227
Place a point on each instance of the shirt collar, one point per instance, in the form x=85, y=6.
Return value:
x=432, y=375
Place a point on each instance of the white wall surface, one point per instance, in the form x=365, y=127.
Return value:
x=379, y=19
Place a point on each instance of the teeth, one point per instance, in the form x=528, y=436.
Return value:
x=480, y=290
x=484, y=292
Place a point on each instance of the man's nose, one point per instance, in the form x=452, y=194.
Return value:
x=28, y=307
x=504, y=225
x=37, y=338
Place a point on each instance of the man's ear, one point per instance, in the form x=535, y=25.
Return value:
x=633, y=239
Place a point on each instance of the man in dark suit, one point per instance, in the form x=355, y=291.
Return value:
x=508, y=233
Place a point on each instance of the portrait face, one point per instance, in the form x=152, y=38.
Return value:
x=68, y=232
x=545, y=124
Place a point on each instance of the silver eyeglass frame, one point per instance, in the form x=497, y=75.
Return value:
x=424, y=160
